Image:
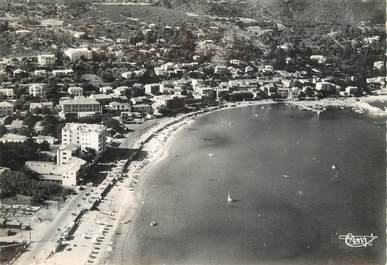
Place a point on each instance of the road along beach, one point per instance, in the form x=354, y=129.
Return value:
x=273, y=219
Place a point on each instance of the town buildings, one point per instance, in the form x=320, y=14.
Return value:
x=46, y=59
x=7, y=92
x=13, y=138
x=78, y=53
x=85, y=136
x=75, y=91
x=119, y=106
x=41, y=105
x=66, y=174
x=36, y=90
x=64, y=72
x=6, y=108
x=80, y=106
x=68, y=167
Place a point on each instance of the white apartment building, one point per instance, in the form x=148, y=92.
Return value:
x=40, y=73
x=64, y=72
x=81, y=106
x=318, y=58
x=66, y=174
x=43, y=138
x=7, y=92
x=75, y=91
x=71, y=171
x=46, y=59
x=105, y=89
x=121, y=106
x=13, y=138
x=6, y=108
x=41, y=105
x=36, y=90
x=76, y=54
x=86, y=136
x=66, y=170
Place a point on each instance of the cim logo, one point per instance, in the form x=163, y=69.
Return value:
x=357, y=241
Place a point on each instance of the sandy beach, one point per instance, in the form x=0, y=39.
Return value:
x=359, y=105
x=121, y=206
x=192, y=193
x=94, y=238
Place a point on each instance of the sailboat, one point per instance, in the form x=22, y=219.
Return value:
x=229, y=199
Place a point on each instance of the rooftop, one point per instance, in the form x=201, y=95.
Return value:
x=5, y=104
x=84, y=127
x=79, y=100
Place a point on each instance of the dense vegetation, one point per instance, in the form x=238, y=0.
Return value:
x=343, y=11
x=26, y=183
x=14, y=155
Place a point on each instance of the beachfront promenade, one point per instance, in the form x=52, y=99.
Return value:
x=40, y=251
x=62, y=229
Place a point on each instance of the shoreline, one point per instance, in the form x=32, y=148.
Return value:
x=159, y=139
x=130, y=194
x=359, y=105
x=159, y=145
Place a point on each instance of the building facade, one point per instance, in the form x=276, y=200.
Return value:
x=119, y=106
x=46, y=59
x=81, y=106
x=6, y=108
x=13, y=138
x=75, y=91
x=36, y=90
x=41, y=105
x=76, y=54
x=7, y=92
x=86, y=136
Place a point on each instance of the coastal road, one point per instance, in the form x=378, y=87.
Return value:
x=276, y=219
x=44, y=238
x=138, y=130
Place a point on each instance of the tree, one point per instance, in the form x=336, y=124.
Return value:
x=279, y=59
x=52, y=92
x=27, y=183
x=107, y=76
x=52, y=126
x=30, y=120
x=112, y=123
x=7, y=120
x=89, y=155
x=4, y=26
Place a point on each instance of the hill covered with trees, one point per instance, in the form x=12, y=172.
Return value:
x=343, y=11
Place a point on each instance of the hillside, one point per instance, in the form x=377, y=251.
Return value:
x=349, y=11
x=343, y=11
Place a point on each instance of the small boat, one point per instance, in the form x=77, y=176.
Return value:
x=229, y=199
x=285, y=176
x=153, y=223
x=263, y=107
x=125, y=221
x=334, y=167
x=230, y=123
x=210, y=154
